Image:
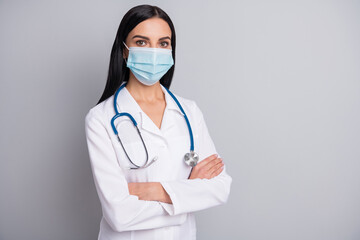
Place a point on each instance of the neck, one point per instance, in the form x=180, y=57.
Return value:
x=144, y=93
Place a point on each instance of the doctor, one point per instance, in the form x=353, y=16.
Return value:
x=152, y=158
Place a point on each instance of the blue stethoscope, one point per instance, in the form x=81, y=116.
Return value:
x=191, y=158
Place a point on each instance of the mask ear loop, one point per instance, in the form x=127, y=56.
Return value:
x=125, y=45
x=127, y=49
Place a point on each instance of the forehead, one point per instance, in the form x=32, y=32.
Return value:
x=152, y=28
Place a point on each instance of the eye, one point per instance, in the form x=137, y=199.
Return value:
x=140, y=43
x=164, y=44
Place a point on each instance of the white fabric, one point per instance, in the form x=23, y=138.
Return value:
x=124, y=215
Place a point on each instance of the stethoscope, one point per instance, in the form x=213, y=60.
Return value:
x=191, y=158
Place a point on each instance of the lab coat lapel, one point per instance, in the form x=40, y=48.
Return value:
x=171, y=113
x=126, y=103
x=148, y=125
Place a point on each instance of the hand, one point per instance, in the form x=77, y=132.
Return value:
x=207, y=168
x=150, y=191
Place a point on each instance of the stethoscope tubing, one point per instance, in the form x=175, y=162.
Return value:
x=118, y=114
x=186, y=119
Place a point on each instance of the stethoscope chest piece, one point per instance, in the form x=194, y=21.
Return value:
x=191, y=158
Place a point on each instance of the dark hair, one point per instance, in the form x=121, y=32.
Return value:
x=118, y=72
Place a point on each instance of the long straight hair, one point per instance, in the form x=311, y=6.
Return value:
x=118, y=72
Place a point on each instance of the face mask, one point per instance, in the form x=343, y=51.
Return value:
x=149, y=64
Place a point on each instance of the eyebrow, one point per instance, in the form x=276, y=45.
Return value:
x=163, y=38
x=139, y=36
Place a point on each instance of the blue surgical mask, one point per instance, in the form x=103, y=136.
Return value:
x=149, y=64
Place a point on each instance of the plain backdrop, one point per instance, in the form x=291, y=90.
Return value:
x=278, y=82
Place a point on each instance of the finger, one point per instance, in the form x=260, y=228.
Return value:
x=215, y=167
x=207, y=160
x=217, y=172
x=211, y=164
x=218, y=164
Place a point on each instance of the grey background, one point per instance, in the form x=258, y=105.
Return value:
x=278, y=82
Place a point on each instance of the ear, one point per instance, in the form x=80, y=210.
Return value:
x=125, y=53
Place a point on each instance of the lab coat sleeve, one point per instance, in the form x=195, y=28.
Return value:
x=121, y=210
x=189, y=195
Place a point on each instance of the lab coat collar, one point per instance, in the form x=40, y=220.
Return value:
x=126, y=103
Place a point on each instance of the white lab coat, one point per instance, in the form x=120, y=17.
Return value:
x=124, y=215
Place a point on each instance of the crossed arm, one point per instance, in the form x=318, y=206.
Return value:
x=146, y=205
x=154, y=191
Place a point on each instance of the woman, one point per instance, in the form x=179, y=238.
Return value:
x=147, y=188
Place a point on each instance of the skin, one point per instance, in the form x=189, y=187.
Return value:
x=156, y=33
